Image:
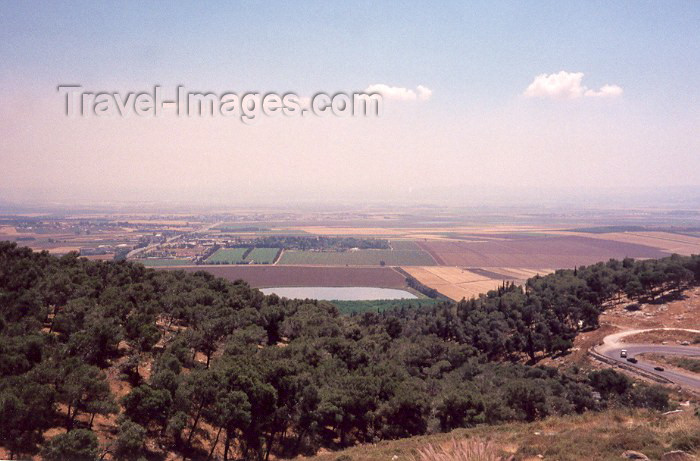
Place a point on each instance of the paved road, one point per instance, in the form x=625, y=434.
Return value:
x=612, y=346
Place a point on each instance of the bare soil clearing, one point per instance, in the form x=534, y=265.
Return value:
x=683, y=313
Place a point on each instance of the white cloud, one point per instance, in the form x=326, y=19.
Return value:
x=424, y=93
x=421, y=92
x=606, y=91
x=567, y=85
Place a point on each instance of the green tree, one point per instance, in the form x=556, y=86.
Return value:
x=528, y=398
x=460, y=408
x=83, y=388
x=26, y=411
x=609, y=382
x=406, y=413
x=197, y=394
x=652, y=397
x=131, y=439
x=144, y=405
x=77, y=445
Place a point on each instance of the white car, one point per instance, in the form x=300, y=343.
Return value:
x=623, y=353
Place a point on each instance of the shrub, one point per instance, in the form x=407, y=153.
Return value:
x=609, y=382
x=652, y=397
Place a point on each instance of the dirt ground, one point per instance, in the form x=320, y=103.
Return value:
x=681, y=313
x=662, y=337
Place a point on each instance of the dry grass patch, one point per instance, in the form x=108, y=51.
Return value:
x=464, y=450
x=662, y=336
x=591, y=436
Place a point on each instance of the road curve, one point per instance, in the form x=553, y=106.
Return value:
x=612, y=346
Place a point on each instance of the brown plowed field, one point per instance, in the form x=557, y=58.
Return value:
x=535, y=252
x=665, y=241
x=290, y=276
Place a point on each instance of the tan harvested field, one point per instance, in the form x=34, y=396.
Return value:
x=63, y=249
x=455, y=282
x=107, y=257
x=518, y=273
x=8, y=230
x=290, y=276
x=163, y=222
x=665, y=241
x=535, y=252
x=456, y=275
x=321, y=230
x=429, y=233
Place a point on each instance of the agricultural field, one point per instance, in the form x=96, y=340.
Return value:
x=404, y=245
x=664, y=241
x=153, y=262
x=227, y=256
x=457, y=282
x=235, y=229
x=454, y=282
x=262, y=276
x=262, y=255
x=357, y=258
x=536, y=252
x=227, y=227
x=510, y=273
x=104, y=257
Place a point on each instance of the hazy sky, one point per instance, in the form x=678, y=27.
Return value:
x=522, y=94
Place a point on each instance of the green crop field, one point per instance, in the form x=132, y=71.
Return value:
x=263, y=255
x=227, y=256
x=163, y=262
x=358, y=258
x=404, y=245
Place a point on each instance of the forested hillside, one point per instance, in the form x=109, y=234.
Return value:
x=217, y=370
